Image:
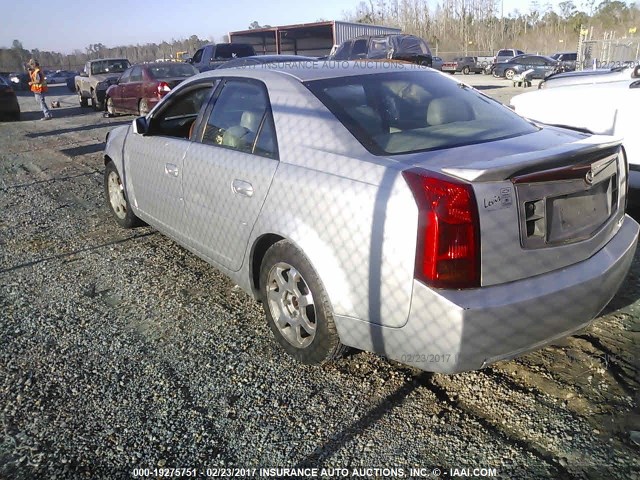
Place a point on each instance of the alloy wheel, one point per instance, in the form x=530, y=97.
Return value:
x=291, y=305
x=116, y=195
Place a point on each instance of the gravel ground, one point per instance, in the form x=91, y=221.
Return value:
x=121, y=350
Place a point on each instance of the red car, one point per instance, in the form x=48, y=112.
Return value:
x=141, y=87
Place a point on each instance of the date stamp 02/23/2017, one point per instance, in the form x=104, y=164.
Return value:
x=312, y=472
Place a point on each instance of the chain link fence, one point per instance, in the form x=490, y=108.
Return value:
x=607, y=52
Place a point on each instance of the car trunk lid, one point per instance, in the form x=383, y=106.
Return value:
x=541, y=210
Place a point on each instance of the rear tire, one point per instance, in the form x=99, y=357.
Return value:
x=117, y=198
x=111, y=110
x=465, y=70
x=297, y=306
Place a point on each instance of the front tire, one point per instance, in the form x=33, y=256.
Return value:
x=509, y=74
x=465, y=70
x=96, y=104
x=83, y=101
x=297, y=306
x=117, y=198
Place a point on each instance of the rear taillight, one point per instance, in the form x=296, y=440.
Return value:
x=448, y=244
x=163, y=89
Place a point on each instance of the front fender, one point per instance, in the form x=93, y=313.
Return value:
x=114, y=149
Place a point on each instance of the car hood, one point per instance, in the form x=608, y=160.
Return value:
x=106, y=76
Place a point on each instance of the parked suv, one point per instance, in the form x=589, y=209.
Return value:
x=394, y=46
x=567, y=60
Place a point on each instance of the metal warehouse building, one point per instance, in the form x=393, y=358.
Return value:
x=313, y=39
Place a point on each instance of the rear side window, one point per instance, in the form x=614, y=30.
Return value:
x=225, y=52
x=241, y=120
x=171, y=70
x=405, y=112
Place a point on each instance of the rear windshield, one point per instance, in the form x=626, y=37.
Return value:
x=405, y=112
x=173, y=70
x=233, y=51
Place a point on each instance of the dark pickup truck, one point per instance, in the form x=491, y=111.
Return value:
x=212, y=56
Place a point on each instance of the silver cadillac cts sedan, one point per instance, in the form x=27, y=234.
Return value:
x=381, y=206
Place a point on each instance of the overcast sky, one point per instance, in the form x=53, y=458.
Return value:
x=65, y=25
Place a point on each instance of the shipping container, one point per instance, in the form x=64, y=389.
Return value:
x=312, y=39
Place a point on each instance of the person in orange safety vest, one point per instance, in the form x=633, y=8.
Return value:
x=38, y=86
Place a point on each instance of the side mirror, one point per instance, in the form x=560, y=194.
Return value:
x=140, y=126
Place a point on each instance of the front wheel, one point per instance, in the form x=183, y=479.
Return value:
x=117, y=198
x=83, y=101
x=465, y=70
x=509, y=74
x=97, y=105
x=297, y=307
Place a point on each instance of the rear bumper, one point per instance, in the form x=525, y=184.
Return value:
x=456, y=331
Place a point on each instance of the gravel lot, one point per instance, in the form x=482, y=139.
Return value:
x=121, y=350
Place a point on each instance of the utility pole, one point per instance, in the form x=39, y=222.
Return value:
x=502, y=23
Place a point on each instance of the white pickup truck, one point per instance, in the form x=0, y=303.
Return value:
x=97, y=76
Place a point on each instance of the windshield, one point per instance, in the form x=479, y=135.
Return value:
x=109, y=66
x=405, y=112
x=171, y=70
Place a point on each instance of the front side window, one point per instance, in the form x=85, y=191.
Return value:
x=124, y=78
x=241, y=120
x=176, y=118
x=412, y=111
x=197, y=57
x=343, y=51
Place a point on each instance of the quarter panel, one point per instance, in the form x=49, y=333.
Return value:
x=359, y=237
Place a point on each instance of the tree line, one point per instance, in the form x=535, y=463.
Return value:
x=13, y=59
x=452, y=26
x=466, y=26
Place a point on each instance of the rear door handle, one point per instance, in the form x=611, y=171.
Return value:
x=171, y=169
x=242, y=188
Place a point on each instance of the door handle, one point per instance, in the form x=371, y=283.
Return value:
x=171, y=169
x=242, y=188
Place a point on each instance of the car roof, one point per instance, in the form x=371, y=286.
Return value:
x=305, y=71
